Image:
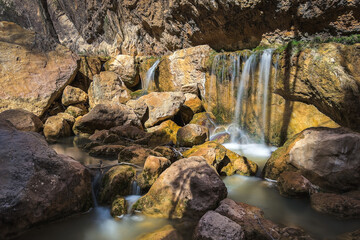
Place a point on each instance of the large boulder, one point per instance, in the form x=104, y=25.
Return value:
x=125, y=67
x=193, y=102
x=106, y=117
x=223, y=160
x=117, y=181
x=184, y=67
x=326, y=77
x=345, y=206
x=187, y=189
x=37, y=184
x=107, y=88
x=326, y=157
x=192, y=134
x=162, y=106
x=72, y=95
x=252, y=221
x=23, y=120
x=32, y=77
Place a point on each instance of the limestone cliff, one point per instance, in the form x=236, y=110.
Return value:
x=149, y=27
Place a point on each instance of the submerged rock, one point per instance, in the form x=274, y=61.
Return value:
x=223, y=160
x=37, y=184
x=252, y=221
x=23, y=120
x=346, y=206
x=187, y=189
x=326, y=157
x=165, y=233
x=105, y=117
x=191, y=135
x=293, y=184
x=117, y=181
x=31, y=75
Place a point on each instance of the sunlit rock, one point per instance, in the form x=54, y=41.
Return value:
x=187, y=189
x=326, y=157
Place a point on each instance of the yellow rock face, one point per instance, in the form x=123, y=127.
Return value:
x=183, y=67
x=31, y=78
x=108, y=88
x=223, y=160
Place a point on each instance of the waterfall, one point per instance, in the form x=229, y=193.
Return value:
x=135, y=188
x=265, y=67
x=242, y=92
x=150, y=75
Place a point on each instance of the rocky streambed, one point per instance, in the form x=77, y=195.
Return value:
x=196, y=144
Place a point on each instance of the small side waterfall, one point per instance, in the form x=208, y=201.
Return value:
x=134, y=195
x=150, y=75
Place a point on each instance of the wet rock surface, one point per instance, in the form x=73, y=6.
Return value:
x=37, y=184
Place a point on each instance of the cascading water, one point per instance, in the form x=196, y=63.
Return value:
x=242, y=81
x=134, y=195
x=150, y=75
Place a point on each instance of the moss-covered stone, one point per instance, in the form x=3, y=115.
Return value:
x=118, y=207
x=117, y=181
x=223, y=160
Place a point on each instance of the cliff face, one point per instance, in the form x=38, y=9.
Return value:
x=147, y=27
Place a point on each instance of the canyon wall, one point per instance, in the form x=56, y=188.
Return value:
x=149, y=27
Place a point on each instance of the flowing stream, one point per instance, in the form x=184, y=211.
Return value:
x=150, y=75
x=249, y=78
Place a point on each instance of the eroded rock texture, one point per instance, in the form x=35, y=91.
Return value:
x=154, y=27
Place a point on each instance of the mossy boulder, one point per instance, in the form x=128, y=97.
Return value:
x=118, y=207
x=153, y=167
x=223, y=160
x=117, y=181
x=206, y=119
x=192, y=134
x=136, y=154
x=187, y=189
x=164, y=133
x=77, y=110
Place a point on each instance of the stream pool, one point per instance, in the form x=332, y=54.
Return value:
x=97, y=224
